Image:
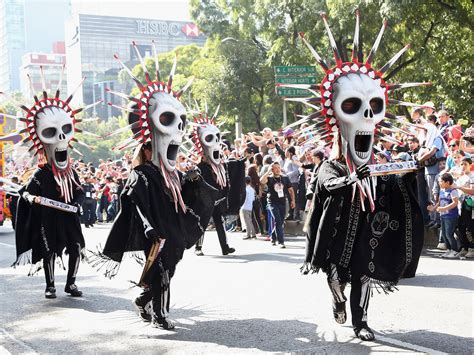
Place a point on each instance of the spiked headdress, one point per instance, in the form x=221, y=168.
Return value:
x=326, y=126
x=40, y=110
x=141, y=103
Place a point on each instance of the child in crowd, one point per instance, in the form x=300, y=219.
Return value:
x=448, y=210
x=465, y=185
x=247, y=208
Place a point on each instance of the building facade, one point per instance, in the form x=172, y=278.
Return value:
x=12, y=43
x=52, y=65
x=92, y=41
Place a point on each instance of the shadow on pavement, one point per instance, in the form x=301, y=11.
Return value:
x=247, y=258
x=261, y=334
x=440, y=281
x=450, y=344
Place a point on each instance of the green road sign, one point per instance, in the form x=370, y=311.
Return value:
x=295, y=70
x=295, y=80
x=290, y=92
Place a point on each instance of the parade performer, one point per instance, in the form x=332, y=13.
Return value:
x=159, y=206
x=48, y=213
x=363, y=230
x=227, y=177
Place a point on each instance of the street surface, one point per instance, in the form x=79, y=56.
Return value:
x=253, y=301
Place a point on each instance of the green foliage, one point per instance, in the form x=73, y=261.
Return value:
x=264, y=33
x=102, y=147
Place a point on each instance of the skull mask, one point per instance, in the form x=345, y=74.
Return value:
x=210, y=138
x=55, y=128
x=359, y=104
x=168, y=119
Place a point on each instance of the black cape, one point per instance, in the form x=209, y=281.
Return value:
x=42, y=230
x=232, y=196
x=146, y=189
x=384, y=245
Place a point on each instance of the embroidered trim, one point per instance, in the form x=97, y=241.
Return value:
x=45, y=240
x=408, y=223
x=143, y=177
x=351, y=233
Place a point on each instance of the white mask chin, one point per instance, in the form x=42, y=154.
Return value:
x=359, y=104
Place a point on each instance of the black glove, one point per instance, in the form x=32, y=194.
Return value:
x=362, y=172
x=193, y=175
x=152, y=235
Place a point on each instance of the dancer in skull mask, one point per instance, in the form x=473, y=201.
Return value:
x=158, y=203
x=226, y=177
x=353, y=236
x=43, y=232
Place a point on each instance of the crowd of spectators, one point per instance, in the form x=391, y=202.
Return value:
x=279, y=166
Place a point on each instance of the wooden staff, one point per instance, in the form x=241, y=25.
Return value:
x=393, y=168
x=154, y=252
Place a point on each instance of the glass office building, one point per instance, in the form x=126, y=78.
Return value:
x=91, y=42
x=12, y=43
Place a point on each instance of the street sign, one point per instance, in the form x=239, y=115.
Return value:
x=295, y=80
x=295, y=70
x=291, y=92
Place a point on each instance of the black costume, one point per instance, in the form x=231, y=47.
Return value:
x=229, y=198
x=363, y=248
x=147, y=213
x=42, y=233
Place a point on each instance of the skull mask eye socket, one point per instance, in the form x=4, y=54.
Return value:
x=49, y=132
x=351, y=105
x=67, y=128
x=376, y=104
x=167, y=118
x=209, y=138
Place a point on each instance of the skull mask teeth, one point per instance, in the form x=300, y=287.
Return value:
x=55, y=129
x=168, y=119
x=359, y=104
x=210, y=138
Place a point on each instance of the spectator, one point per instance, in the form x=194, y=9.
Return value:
x=277, y=185
x=247, y=209
x=89, y=202
x=448, y=209
x=291, y=168
x=465, y=185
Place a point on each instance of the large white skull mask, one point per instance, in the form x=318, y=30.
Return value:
x=55, y=128
x=359, y=104
x=210, y=138
x=168, y=119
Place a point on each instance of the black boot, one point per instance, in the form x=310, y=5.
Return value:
x=228, y=251
x=50, y=292
x=363, y=332
x=144, y=309
x=339, y=312
x=73, y=290
x=163, y=323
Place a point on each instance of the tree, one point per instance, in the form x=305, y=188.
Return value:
x=440, y=33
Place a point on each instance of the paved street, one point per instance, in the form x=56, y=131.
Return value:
x=253, y=301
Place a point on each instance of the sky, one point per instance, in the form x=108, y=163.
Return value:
x=45, y=18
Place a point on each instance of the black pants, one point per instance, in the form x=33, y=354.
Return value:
x=89, y=211
x=466, y=229
x=158, y=291
x=74, y=251
x=359, y=298
x=219, y=224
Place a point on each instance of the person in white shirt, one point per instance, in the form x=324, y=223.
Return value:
x=247, y=208
x=465, y=186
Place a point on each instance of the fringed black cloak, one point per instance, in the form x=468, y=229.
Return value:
x=384, y=245
x=40, y=230
x=232, y=196
x=146, y=189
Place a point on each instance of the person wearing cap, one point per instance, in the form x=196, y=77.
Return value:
x=261, y=141
x=428, y=108
x=402, y=156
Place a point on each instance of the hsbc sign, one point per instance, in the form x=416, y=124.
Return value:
x=163, y=28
